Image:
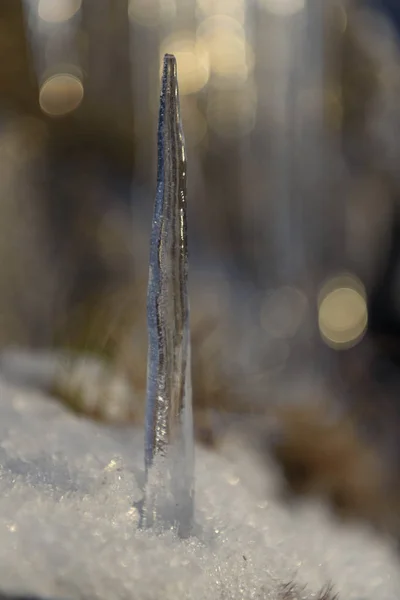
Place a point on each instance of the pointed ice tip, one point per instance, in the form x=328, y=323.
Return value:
x=169, y=61
x=169, y=57
x=170, y=76
x=170, y=134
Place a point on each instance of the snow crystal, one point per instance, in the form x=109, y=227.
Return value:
x=69, y=526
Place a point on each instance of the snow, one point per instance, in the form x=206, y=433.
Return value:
x=68, y=524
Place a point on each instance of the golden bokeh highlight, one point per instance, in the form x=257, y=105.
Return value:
x=58, y=11
x=342, y=311
x=231, y=58
x=192, y=60
x=61, y=94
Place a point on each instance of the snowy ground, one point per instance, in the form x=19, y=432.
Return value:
x=68, y=528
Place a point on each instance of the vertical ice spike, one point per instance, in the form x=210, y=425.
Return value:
x=169, y=451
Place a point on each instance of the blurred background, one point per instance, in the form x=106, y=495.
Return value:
x=291, y=113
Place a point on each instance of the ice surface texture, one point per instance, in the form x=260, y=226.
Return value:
x=68, y=529
x=169, y=421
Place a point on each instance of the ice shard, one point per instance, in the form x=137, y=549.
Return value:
x=169, y=451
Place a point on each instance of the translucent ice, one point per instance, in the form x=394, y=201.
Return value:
x=169, y=423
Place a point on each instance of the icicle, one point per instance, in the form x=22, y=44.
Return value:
x=169, y=452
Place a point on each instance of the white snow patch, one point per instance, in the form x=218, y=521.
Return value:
x=68, y=526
